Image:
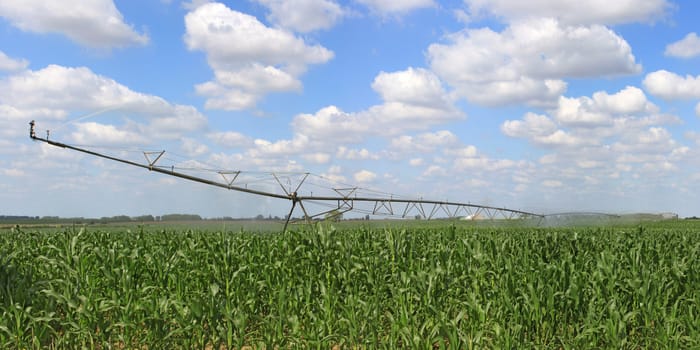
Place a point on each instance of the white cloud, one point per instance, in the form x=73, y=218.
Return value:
x=574, y=11
x=13, y=172
x=93, y=23
x=193, y=148
x=599, y=110
x=317, y=157
x=391, y=7
x=687, y=47
x=364, y=176
x=10, y=64
x=331, y=123
x=92, y=133
x=355, y=154
x=650, y=141
x=532, y=125
x=424, y=143
x=267, y=149
x=434, y=171
x=527, y=61
x=671, y=86
x=249, y=59
x=268, y=161
x=416, y=161
x=602, y=136
x=304, y=15
x=414, y=100
x=552, y=183
x=55, y=92
x=334, y=174
x=548, y=159
x=484, y=164
x=662, y=166
x=579, y=111
x=464, y=151
x=589, y=121
x=230, y=139
x=630, y=100
x=415, y=86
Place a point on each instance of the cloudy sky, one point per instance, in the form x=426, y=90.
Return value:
x=545, y=106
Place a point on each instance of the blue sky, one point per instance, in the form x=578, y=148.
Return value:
x=545, y=106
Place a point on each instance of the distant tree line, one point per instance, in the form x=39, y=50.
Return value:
x=104, y=219
x=122, y=218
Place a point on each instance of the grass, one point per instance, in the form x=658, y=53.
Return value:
x=446, y=286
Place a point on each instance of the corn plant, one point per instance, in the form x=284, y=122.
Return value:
x=435, y=287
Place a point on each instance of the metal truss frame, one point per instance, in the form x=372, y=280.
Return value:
x=345, y=201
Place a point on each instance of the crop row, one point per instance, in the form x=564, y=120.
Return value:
x=424, y=288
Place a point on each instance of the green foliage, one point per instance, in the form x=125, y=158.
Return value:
x=180, y=217
x=434, y=287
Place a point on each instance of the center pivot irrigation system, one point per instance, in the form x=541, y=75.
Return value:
x=336, y=199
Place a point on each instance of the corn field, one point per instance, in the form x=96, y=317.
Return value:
x=361, y=288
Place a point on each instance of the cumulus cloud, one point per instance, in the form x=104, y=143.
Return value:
x=249, y=59
x=425, y=142
x=531, y=125
x=574, y=11
x=317, y=157
x=92, y=133
x=552, y=183
x=193, y=148
x=9, y=64
x=434, y=171
x=600, y=109
x=484, y=164
x=413, y=100
x=230, y=139
x=267, y=149
x=540, y=130
x=304, y=15
x=334, y=174
x=13, y=172
x=414, y=86
x=55, y=92
x=355, y=154
x=364, y=176
x=416, y=161
x=527, y=61
x=92, y=23
x=622, y=130
x=671, y=86
x=687, y=47
x=393, y=7
x=653, y=140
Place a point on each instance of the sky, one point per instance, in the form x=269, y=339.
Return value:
x=545, y=106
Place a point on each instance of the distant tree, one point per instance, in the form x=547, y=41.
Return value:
x=181, y=217
x=260, y=217
x=144, y=218
x=120, y=218
x=418, y=217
